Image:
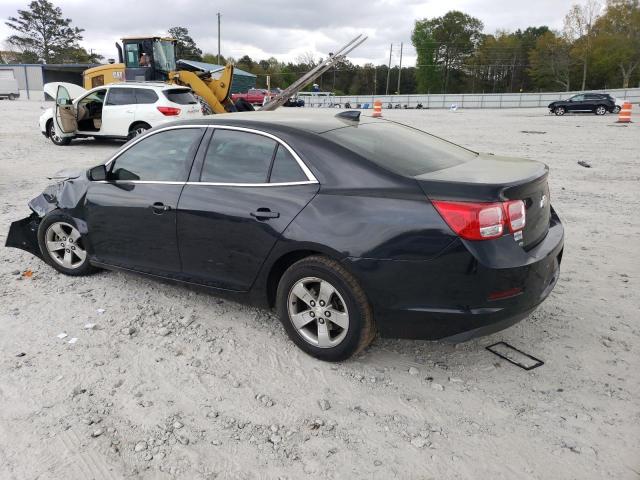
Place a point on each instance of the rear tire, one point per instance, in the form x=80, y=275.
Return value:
x=137, y=129
x=51, y=133
x=616, y=109
x=335, y=321
x=62, y=246
x=559, y=111
x=11, y=96
x=600, y=110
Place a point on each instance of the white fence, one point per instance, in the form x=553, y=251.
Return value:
x=464, y=100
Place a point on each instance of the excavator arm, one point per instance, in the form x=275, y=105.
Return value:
x=214, y=91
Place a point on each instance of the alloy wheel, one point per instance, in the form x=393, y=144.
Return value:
x=560, y=111
x=318, y=312
x=64, y=245
x=53, y=135
x=601, y=110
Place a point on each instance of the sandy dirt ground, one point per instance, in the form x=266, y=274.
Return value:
x=171, y=383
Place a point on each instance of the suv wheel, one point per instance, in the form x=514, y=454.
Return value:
x=601, y=110
x=62, y=246
x=616, y=109
x=559, y=111
x=137, y=129
x=324, y=310
x=51, y=133
x=11, y=96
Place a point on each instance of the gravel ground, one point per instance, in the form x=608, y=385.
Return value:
x=167, y=383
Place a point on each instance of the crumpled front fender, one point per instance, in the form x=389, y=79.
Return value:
x=23, y=234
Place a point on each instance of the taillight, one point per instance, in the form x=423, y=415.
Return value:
x=169, y=111
x=482, y=221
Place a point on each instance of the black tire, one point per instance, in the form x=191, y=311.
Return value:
x=136, y=129
x=559, y=111
x=51, y=133
x=361, y=327
x=243, y=106
x=11, y=96
x=600, y=110
x=56, y=217
x=616, y=109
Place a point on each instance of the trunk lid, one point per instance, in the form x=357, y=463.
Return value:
x=490, y=178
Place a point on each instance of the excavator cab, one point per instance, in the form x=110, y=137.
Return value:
x=147, y=58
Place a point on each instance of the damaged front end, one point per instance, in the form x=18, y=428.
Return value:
x=66, y=195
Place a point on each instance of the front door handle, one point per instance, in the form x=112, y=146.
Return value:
x=264, y=214
x=159, y=208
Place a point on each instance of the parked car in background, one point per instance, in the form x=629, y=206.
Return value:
x=116, y=110
x=8, y=85
x=598, y=103
x=349, y=226
x=255, y=96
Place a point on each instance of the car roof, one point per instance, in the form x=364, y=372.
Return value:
x=145, y=85
x=311, y=121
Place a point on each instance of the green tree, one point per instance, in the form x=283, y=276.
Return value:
x=186, y=48
x=447, y=42
x=617, y=39
x=42, y=32
x=551, y=61
x=579, y=29
x=425, y=45
x=213, y=58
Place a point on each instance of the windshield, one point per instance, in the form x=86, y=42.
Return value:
x=400, y=149
x=164, y=55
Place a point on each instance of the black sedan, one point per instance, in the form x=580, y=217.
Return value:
x=598, y=103
x=348, y=226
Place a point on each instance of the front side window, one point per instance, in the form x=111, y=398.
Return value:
x=164, y=156
x=238, y=157
x=121, y=96
x=577, y=98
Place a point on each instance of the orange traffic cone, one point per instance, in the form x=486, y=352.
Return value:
x=377, y=109
x=625, y=113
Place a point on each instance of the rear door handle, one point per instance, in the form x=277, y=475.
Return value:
x=159, y=208
x=264, y=214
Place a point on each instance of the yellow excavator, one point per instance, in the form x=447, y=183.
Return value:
x=153, y=58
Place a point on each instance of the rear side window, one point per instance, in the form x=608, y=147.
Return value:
x=164, y=156
x=403, y=150
x=180, y=96
x=237, y=157
x=145, y=95
x=121, y=96
x=285, y=168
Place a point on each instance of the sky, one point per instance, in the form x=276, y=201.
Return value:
x=288, y=29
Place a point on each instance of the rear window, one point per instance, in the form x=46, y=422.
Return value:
x=400, y=149
x=180, y=96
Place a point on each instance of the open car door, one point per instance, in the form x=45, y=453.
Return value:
x=65, y=117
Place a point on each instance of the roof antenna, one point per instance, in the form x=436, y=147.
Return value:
x=353, y=115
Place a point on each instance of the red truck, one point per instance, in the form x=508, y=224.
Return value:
x=254, y=96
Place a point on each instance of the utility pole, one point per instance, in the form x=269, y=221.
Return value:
x=218, y=59
x=375, y=81
x=389, y=70
x=399, y=69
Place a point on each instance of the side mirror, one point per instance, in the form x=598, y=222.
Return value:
x=98, y=173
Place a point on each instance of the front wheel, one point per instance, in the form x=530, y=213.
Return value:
x=324, y=310
x=600, y=110
x=63, y=246
x=55, y=138
x=559, y=111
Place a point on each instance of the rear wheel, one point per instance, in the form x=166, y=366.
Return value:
x=559, y=111
x=137, y=129
x=324, y=310
x=62, y=245
x=600, y=110
x=55, y=138
x=616, y=109
x=11, y=96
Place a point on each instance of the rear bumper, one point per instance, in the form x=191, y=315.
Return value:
x=448, y=297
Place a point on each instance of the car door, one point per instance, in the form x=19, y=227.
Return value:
x=576, y=103
x=118, y=112
x=246, y=187
x=131, y=216
x=65, y=119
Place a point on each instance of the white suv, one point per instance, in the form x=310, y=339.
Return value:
x=117, y=110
